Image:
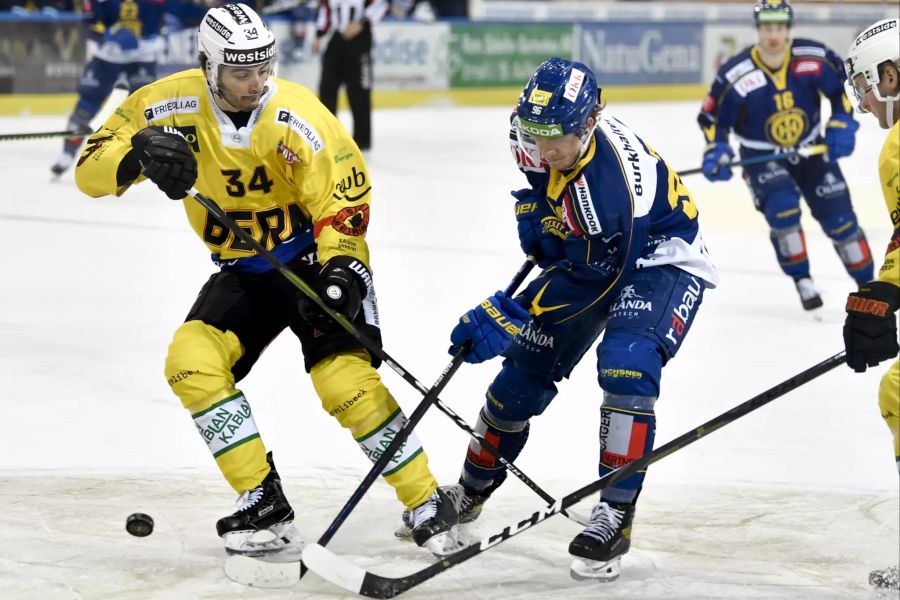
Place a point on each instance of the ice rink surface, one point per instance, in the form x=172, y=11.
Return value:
x=797, y=500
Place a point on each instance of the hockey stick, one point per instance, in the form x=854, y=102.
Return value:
x=430, y=398
x=355, y=579
x=277, y=574
x=493, y=451
x=5, y=137
x=804, y=152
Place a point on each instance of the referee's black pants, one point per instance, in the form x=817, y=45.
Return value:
x=349, y=62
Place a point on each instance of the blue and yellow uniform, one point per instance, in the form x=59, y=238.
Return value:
x=770, y=110
x=632, y=261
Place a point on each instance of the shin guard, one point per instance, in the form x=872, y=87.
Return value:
x=481, y=469
x=790, y=249
x=627, y=430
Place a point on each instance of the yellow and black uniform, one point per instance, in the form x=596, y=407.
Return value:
x=293, y=178
x=889, y=175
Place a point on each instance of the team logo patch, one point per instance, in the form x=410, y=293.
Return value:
x=786, y=127
x=573, y=86
x=306, y=131
x=540, y=97
x=353, y=220
x=172, y=106
x=290, y=157
x=709, y=104
x=806, y=67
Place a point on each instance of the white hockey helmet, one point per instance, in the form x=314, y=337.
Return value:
x=877, y=44
x=233, y=35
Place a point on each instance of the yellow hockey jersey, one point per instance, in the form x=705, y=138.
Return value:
x=292, y=175
x=889, y=175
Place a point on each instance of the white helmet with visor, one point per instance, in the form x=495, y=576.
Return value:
x=233, y=35
x=877, y=44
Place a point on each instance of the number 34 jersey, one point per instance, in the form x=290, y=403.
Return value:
x=291, y=176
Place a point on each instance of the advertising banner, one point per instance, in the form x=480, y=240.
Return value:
x=495, y=55
x=642, y=53
x=41, y=57
x=411, y=56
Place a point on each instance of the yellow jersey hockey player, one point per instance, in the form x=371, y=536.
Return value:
x=284, y=169
x=870, y=331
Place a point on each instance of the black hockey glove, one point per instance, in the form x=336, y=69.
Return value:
x=342, y=283
x=870, y=331
x=166, y=159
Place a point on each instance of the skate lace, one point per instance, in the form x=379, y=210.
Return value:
x=604, y=523
x=248, y=499
x=423, y=512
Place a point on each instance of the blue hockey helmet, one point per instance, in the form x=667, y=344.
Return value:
x=558, y=100
x=773, y=11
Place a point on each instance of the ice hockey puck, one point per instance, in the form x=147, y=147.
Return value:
x=139, y=524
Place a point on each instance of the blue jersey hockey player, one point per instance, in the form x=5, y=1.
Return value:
x=620, y=246
x=769, y=96
x=126, y=41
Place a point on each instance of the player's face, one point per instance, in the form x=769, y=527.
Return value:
x=888, y=86
x=242, y=87
x=773, y=37
x=563, y=152
x=560, y=152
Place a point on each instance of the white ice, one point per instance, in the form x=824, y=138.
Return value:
x=796, y=500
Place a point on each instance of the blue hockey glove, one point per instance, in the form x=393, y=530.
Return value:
x=121, y=37
x=840, y=136
x=489, y=327
x=541, y=233
x=715, y=158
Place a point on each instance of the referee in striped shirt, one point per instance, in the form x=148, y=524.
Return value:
x=348, y=58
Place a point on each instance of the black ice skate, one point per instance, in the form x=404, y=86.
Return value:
x=598, y=550
x=433, y=524
x=470, y=501
x=262, y=521
x=885, y=579
x=809, y=295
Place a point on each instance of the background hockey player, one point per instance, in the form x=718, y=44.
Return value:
x=127, y=42
x=769, y=95
x=870, y=331
x=620, y=244
x=266, y=149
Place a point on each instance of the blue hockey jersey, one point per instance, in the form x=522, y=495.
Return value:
x=621, y=206
x=772, y=109
x=129, y=30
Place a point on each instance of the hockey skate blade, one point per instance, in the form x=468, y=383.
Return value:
x=256, y=572
x=583, y=569
x=329, y=567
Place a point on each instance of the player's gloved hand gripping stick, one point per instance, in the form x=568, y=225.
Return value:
x=804, y=152
x=431, y=395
